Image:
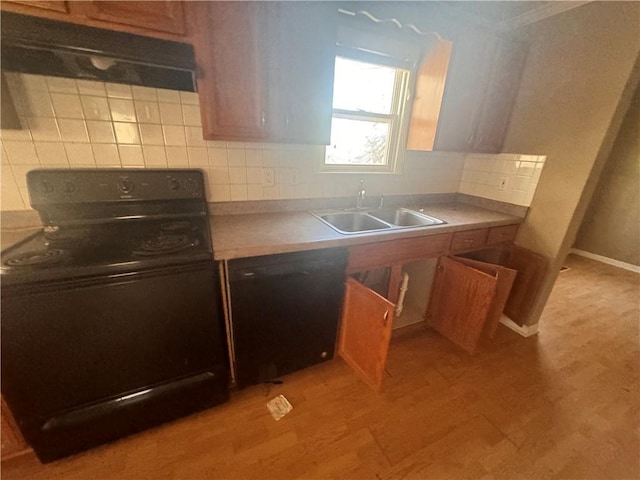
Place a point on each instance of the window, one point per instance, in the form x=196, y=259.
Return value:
x=367, y=124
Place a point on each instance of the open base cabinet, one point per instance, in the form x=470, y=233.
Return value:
x=468, y=296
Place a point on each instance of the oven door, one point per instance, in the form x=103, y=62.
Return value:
x=76, y=352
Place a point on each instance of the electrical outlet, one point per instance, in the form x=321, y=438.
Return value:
x=503, y=183
x=268, y=179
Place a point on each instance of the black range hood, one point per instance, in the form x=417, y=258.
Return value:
x=47, y=47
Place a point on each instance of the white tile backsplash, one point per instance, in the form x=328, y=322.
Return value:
x=95, y=108
x=81, y=123
x=510, y=178
x=117, y=90
x=100, y=132
x=67, y=105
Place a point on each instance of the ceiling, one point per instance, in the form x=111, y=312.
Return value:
x=496, y=11
x=509, y=15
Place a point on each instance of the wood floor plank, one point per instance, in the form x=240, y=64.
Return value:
x=564, y=404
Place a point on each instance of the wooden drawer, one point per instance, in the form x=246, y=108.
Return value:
x=502, y=234
x=366, y=257
x=468, y=240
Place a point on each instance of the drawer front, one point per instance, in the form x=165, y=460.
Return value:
x=374, y=255
x=469, y=240
x=502, y=234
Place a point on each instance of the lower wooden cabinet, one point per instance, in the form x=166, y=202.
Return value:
x=467, y=299
x=12, y=441
x=469, y=240
x=531, y=268
x=468, y=295
x=365, y=331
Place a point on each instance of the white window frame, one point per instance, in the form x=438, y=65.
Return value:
x=398, y=120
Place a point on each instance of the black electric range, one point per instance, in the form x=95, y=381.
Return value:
x=71, y=251
x=111, y=315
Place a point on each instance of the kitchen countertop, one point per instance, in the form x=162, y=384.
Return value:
x=248, y=235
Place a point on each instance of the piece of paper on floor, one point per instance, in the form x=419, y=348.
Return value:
x=279, y=407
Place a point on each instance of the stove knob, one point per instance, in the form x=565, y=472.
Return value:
x=125, y=185
x=173, y=184
x=69, y=187
x=46, y=187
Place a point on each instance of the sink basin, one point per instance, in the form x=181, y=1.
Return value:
x=403, y=217
x=352, y=222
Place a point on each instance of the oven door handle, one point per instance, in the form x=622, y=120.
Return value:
x=87, y=414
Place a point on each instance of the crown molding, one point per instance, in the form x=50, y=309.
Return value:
x=535, y=15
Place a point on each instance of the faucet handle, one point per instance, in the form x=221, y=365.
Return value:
x=381, y=204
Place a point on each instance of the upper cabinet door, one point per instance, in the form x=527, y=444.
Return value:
x=302, y=40
x=365, y=332
x=467, y=81
x=53, y=5
x=492, y=124
x=164, y=16
x=427, y=102
x=482, y=85
x=232, y=85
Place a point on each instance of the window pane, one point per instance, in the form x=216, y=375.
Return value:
x=363, y=86
x=357, y=142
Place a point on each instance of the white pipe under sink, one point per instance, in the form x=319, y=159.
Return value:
x=404, y=286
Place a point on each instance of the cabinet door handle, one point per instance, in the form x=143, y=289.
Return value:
x=263, y=119
x=469, y=241
x=386, y=315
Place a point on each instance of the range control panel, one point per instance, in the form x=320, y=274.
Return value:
x=112, y=185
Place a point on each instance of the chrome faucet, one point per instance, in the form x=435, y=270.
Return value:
x=360, y=196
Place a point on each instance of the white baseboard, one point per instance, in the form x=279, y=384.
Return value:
x=524, y=330
x=609, y=261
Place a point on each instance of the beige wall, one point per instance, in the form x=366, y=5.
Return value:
x=611, y=227
x=573, y=95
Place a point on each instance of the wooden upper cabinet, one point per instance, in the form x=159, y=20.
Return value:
x=56, y=6
x=467, y=79
x=429, y=88
x=482, y=84
x=229, y=40
x=165, y=16
x=500, y=95
x=302, y=40
x=266, y=70
x=169, y=20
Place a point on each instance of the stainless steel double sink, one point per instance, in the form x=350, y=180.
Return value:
x=360, y=221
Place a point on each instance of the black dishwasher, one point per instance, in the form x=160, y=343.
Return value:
x=285, y=311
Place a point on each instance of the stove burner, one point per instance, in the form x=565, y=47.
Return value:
x=176, y=227
x=169, y=243
x=41, y=257
x=66, y=237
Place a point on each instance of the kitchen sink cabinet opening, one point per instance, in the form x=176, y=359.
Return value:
x=461, y=297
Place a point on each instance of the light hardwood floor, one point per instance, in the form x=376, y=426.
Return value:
x=563, y=404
